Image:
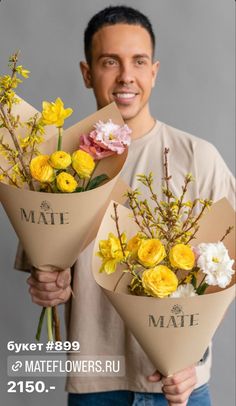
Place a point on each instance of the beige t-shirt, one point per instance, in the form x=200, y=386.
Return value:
x=92, y=319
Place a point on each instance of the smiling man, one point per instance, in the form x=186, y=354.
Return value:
x=120, y=67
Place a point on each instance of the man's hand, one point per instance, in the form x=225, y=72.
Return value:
x=178, y=387
x=49, y=289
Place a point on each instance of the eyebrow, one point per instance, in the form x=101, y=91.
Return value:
x=116, y=56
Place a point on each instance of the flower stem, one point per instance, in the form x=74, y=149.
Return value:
x=117, y=283
x=59, y=139
x=56, y=321
x=49, y=323
x=40, y=324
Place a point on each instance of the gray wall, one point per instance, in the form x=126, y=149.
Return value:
x=194, y=92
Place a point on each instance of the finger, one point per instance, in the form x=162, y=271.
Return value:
x=179, y=376
x=42, y=276
x=42, y=295
x=180, y=400
x=156, y=377
x=180, y=388
x=63, y=298
x=44, y=286
x=64, y=278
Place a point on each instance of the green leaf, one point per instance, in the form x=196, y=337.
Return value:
x=95, y=182
x=194, y=281
x=79, y=189
x=201, y=289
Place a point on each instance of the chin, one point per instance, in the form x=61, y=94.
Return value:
x=127, y=112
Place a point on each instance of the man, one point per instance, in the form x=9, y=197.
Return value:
x=120, y=67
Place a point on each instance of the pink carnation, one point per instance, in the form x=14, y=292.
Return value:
x=107, y=139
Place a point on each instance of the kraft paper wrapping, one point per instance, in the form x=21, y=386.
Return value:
x=25, y=111
x=55, y=228
x=174, y=333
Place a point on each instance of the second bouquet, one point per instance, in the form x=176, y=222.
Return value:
x=166, y=265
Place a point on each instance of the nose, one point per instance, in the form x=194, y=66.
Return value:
x=125, y=75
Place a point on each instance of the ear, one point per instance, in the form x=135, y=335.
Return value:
x=155, y=69
x=86, y=73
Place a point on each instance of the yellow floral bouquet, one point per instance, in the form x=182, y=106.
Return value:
x=149, y=255
x=41, y=183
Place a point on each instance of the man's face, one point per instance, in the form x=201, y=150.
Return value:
x=122, y=69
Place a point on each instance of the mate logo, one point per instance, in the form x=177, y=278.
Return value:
x=45, y=215
x=177, y=319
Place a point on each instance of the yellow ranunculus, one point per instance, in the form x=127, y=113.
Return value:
x=66, y=183
x=159, y=281
x=111, y=253
x=60, y=160
x=54, y=113
x=181, y=256
x=151, y=252
x=83, y=163
x=41, y=170
x=134, y=244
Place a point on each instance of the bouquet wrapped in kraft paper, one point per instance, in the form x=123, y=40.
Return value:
x=54, y=227
x=172, y=296
x=55, y=185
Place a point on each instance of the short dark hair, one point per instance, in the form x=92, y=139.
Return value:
x=115, y=15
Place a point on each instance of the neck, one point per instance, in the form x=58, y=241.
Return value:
x=141, y=124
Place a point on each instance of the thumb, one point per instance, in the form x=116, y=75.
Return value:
x=64, y=278
x=155, y=377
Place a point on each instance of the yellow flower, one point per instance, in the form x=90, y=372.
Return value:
x=159, y=281
x=41, y=170
x=83, y=163
x=151, y=252
x=181, y=256
x=60, y=160
x=111, y=253
x=66, y=183
x=54, y=113
x=134, y=244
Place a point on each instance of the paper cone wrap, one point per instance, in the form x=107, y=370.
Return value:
x=174, y=332
x=55, y=228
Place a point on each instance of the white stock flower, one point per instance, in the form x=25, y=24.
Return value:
x=186, y=290
x=215, y=262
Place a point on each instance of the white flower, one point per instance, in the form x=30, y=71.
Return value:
x=186, y=290
x=215, y=262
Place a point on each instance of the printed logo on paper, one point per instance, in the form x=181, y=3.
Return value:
x=45, y=215
x=176, y=319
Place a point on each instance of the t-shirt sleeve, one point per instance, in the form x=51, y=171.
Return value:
x=214, y=178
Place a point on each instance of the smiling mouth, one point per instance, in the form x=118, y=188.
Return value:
x=124, y=96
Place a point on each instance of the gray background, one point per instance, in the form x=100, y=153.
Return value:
x=194, y=92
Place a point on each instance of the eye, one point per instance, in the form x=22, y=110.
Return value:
x=140, y=62
x=110, y=62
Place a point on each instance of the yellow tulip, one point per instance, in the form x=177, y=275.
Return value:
x=54, y=113
x=111, y=253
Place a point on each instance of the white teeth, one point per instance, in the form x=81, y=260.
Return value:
x=125, y=95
